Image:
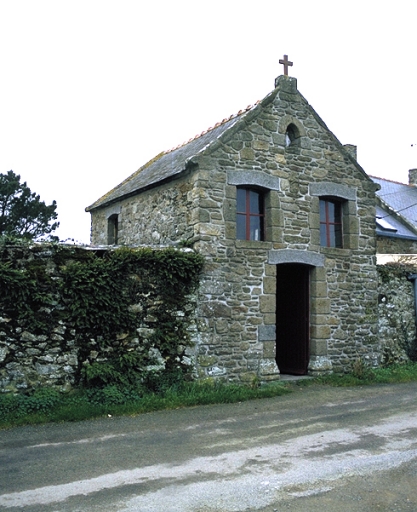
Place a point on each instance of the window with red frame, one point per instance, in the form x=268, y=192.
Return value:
x=250, y=214
x=331, y=233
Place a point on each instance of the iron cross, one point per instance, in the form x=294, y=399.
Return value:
x=286, y=63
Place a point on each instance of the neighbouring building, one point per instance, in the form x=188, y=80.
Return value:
x=396, y=215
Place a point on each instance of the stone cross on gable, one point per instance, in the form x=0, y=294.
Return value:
x=286, y=63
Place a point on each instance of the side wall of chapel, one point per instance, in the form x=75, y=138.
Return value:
x=159, y=216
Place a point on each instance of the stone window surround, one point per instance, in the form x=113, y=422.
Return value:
x=113, y=228
x=299, y=139
x=348, y=197
x=261, y=180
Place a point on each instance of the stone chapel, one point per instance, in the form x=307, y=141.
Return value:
x=285, y=218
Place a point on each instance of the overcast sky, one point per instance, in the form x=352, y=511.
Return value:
x=93, y=89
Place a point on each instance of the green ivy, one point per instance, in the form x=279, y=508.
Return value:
x=104, y=298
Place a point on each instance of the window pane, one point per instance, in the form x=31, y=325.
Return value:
x=330, y=211
x=254, y=198
x=331, y=223
x=332, y=235
x=240, y=227
x=255, y=228
x=323, y=239
x=241, y=200
x=338, y=213
x=338, y=238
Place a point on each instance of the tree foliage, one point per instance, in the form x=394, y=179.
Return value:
x=22, y=213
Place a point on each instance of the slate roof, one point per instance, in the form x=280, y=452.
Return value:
x=168, y=163
x=389, y=224
x=398, y=208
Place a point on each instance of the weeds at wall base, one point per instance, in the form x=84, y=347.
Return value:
x=48, y=405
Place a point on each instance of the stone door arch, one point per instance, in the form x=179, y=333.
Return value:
x=310, y=266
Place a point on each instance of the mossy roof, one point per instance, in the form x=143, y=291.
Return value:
x=167, y=164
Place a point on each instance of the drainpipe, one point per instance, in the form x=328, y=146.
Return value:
x=413, y=278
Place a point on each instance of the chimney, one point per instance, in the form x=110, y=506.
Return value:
x=412, y=177
x=352, y=150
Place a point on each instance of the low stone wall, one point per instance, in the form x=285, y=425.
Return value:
x=55, y=356
x=47, y=344
x=387, y=245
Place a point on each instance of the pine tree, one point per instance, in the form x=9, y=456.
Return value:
x=22, y=213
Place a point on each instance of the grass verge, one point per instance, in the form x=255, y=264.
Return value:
x=362, y=376
x=48, y=405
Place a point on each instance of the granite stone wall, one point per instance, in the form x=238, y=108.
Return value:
x=396, y=312
x=390, y=245
x=234, y=335
x=236, y=315
x=162, y=216
x=237, y=299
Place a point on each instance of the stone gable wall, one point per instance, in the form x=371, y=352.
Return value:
x=238, y=291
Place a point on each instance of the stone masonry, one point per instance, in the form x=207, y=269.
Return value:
x=236, y=337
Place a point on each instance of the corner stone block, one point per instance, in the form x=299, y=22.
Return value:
x=267, y=333
x=319, y=289
x=320, y=306
x=320, y=332
x=320, y=364
x=268, y=370
x=269, y=350
x=318, y=347
x=270, y=285
x=267, y=303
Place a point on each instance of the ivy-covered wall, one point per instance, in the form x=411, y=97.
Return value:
x=396, y=313
x=72, y=315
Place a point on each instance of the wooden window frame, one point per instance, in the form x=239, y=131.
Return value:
x=332, y=234
x=247, y=214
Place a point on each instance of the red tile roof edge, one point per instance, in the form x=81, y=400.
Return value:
x=220, y=123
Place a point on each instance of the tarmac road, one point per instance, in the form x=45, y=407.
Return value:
x=318, y=449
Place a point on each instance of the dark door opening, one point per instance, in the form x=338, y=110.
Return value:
x=293, y=318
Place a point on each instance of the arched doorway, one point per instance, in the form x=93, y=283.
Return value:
x=293, y=318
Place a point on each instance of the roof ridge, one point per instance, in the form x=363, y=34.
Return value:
x=220, y=123
x=391, y=181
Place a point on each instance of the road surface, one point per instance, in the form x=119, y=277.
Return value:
x=318, y=449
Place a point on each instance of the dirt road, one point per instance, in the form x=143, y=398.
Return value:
x=318, y=449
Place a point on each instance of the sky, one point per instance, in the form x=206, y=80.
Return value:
x=91, y=90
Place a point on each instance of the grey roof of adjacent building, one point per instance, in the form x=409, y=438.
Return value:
x=400, y=197
x=390, y=225
x=396, y=215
